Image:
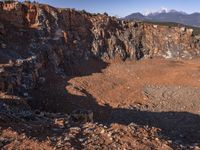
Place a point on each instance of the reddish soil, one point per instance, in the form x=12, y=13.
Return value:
x=119, y=85
x=149, y=104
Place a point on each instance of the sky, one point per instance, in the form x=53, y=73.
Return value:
x=123, y=8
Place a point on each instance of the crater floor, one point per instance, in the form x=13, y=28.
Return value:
x=149, y=104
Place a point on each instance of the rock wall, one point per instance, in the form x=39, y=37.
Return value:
x=62, y=38
x=78, y=34
x=170, y=42
x=18, y=77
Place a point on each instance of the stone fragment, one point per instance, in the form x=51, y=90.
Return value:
x=60, y=122
x=3, y=45
x=82, y=116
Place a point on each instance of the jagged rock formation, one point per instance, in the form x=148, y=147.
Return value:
x=20, y=76
x=72, y=34
x=64, y=37
x=170, y=42
x=40, y=45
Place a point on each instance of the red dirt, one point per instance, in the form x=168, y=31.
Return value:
x=116, y=93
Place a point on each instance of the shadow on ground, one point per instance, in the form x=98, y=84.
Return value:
x=180, y=127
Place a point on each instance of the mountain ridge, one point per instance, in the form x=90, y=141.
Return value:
x=192, y=19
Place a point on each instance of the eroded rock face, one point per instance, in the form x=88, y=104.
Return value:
x=64, y=37
x=72, y=34
x=18, y=77
x=170, y=42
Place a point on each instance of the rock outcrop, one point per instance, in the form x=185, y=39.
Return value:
x=18, y=77
x=170, y=42
x=61, y=38
x=43, y=49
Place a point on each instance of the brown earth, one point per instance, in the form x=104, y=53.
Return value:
x=127, y=83
x=74, y=60
x=150, y=104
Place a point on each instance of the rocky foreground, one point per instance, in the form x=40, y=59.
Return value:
x=123, y=107
x=74, y=80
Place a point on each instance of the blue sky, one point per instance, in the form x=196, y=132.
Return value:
x=122, y=8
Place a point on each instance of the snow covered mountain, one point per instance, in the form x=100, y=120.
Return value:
x=165, y=15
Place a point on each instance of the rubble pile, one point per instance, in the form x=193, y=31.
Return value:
x=60, y=131
x=18, y=77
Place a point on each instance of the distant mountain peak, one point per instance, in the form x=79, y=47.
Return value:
x=167, y=15
x=163, y=10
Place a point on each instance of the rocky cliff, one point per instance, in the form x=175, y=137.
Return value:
x=61, y=38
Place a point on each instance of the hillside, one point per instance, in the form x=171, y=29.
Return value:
x=74, y=80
